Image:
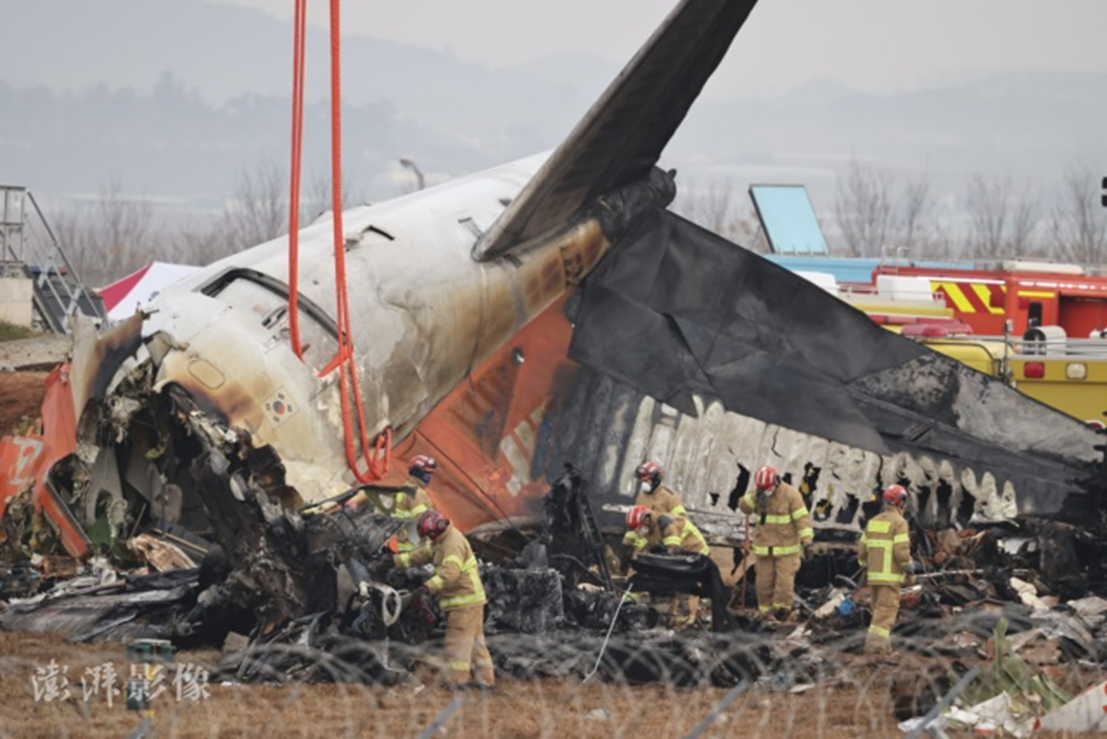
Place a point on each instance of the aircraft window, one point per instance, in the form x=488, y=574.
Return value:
x=267, y=300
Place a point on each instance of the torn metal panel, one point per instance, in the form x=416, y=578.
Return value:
x=98, y=356
x=150, y=606
x=678, y=313
x=709, y=458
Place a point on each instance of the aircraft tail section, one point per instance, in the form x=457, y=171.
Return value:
x=621, y=137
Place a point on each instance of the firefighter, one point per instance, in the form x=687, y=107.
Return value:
x=677, y=535
x=653, y=495
x=413, y=501
x=885, y=552
x=782, y=532
x=460, y=592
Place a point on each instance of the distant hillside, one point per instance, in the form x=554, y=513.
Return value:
x=175, y=98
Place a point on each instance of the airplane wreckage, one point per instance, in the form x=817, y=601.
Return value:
x=546, y=314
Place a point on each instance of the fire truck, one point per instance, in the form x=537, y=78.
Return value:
x=1042, y=326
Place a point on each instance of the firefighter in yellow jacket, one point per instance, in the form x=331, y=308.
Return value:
x=782, y=532
x=410, y=501
x=678, y=535
x=413, y=501
x=885, y=552
x=653, y=495
x=460, y=593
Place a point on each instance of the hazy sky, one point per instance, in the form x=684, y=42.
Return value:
x=876, y=45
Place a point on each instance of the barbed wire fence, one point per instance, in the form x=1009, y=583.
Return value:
x=802, y=683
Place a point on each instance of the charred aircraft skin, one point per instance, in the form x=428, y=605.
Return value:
x=201, y=416
x=424, y=314
x=214, y=422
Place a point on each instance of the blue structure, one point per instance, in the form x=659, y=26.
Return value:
x=846, y=269
x=788, y=219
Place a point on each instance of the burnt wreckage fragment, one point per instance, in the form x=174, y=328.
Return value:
x=676, y=312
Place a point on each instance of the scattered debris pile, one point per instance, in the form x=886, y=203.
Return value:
x=290, y=597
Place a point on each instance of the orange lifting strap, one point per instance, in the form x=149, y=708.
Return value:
x=378, y=454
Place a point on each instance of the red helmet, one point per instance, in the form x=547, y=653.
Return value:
x=766, y=478
x=422, y=463
x=650, y=471
x=896, y=495
x=432, y=524
x=636, y=516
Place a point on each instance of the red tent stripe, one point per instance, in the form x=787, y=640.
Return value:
x=116, y=291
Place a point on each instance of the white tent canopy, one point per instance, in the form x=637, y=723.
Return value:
x=123, y=297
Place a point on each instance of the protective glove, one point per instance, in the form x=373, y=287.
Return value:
x=808, y=553
x=912, y=568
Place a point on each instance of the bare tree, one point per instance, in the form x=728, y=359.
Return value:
x=257, y=212
x=1024, y=222
x=864, y=209
x=1079, y=223
x=987, y=203
x=124, y=226
x=111, y=238
x=916, y=223
x=718, y=207
x=204, y=240
x=320, y=198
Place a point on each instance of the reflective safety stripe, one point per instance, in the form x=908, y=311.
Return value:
x=776, y=551
x=471, y=599
x=779, y=520
x=459, y=666
x=884, y=574
x=434, y=584
x=452, y=558
x=901, y=539
x=885, y=577
x=458, y=601
x=405, y=559
x=880, y=527
x=880, y=631
x=807, y=533
x=800, y=513
x=749, y=500
x=782, y=605
x=403, y=545
x=764, y=608
x=671, y=541
x=679, y=511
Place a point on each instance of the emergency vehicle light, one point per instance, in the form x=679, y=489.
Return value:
x=1033, y=370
